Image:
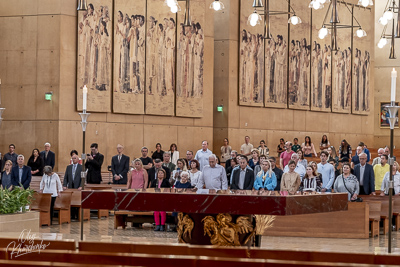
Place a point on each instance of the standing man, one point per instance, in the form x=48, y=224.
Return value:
x=189, y=157
x=120, y=166
x=377, y=160
x=11, y=155
x=355, y=159
x=213, y=176
x=365, y=175
x=146, y=160
x=365, y=150
x=167, y=161
x=93, y=165
x=153, y=171
x=72, y=177
x=203, y=154
x=243, y=178
x=21, y=174
x=278, y=173
x=228, y=161
x=286, y=155
x=380, y=170
x=327, y=171
x=246, y=148
x=48, y=156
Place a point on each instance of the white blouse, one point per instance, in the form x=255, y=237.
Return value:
x=396, y=182
x=49, y=184
x=194, y=178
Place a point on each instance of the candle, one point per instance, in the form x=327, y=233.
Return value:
x=84, y=97
x=393, y=91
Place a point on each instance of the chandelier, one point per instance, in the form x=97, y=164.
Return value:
x=388, y=16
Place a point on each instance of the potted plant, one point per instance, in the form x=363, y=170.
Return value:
x=15, y=200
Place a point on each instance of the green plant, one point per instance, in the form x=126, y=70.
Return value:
x=12, y=201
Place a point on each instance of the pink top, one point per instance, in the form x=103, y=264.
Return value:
x=159, y=183
x=137, y=179
x=286, y=156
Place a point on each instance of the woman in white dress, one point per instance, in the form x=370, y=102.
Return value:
x=50, y=184
x=194, y=173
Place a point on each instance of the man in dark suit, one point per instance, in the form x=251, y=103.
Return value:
x=72, y=177
x=21, y=174
x=48, y=156
x=243, y=178
x=93, y=165
x=120, y=166
x=153, y=171
x=365, y=175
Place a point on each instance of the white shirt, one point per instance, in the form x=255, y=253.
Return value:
x=213, y=178
x=49, y=184
x=362, y=170
x=194, y=178
x=396, y=182
x=202, y=157
x=299, y=169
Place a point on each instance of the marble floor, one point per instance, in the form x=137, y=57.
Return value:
x=103, y=230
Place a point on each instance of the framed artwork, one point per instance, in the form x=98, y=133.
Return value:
x=384, y=116
x=300, y=58
x=95, y=55
x=251, y=59
x=129, y=56
x=190, y=61
x=160, y=55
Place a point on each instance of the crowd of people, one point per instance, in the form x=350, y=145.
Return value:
x=254, y=168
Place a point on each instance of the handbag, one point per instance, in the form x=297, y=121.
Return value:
x=358, y=199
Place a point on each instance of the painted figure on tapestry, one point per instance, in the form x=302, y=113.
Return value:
x=342, y=70
x=95, y=54
x=299, y=71
x=190, y=61
x=321, y=76
x=251, y=81
x=361, y=76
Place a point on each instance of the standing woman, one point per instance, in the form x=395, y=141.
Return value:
x=308, y=147
x=347, y=183
x=51, y=184
x=194, y=173
x=302, y=160
x=324, y=143
x=174, y=153
x=291, y=180
x=161, y=182
x=6, y=175
x=138, y=177
x=226, y=150
x=36, y=163
x=345, y=150
x=158, y=154
x=266, y=178
x=281, y=146
x=176, y=174
x=255, y=160
x=310, y=183
x=263, y=149
x=314, y=165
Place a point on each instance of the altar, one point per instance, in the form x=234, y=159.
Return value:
x=226, y=218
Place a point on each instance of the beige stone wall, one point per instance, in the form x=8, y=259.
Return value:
x=38, y=54
x=271, y=124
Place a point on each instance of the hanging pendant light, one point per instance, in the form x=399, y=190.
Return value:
x=217, y=5
x=82, y=5
x=258, y=4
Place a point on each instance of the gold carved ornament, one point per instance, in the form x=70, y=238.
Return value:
x=185, y=227
x=264, y=222
x=223, y=232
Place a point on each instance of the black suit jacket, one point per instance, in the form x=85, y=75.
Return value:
x=152, y=174
x=50, y=160
x=369, y=177
x=120, y=168
x=94, y=169
x=248, y=180
x=25, y=179
x=68, y=181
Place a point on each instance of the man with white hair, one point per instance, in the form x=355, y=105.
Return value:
x=377, y=160
x=213, y=175
x=299, y=167
x=21, y=174
x=355, y=159
x=49, y=157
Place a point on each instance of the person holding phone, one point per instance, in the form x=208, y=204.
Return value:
x=176, y=174
x=93, y=165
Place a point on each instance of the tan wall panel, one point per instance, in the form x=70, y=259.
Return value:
x=67, y=69
x=26, y=108
x=48, y=67
x=68, y=26
x=20, y=68
x=18, y=7
x=23, y=31
x=48, y=35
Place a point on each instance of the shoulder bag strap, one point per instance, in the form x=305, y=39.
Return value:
x=344, y=183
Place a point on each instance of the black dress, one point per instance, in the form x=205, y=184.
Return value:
x=158, y=155
x=36, y=165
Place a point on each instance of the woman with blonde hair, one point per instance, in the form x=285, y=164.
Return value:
x=255, y=160
x=138, y=178
x=51, y=183
x=266, y=178
x=176, y=174
x=396, y=181
x=6, y=175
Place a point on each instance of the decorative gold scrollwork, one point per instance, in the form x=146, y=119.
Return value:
x=223, y=232
x=185, y=227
